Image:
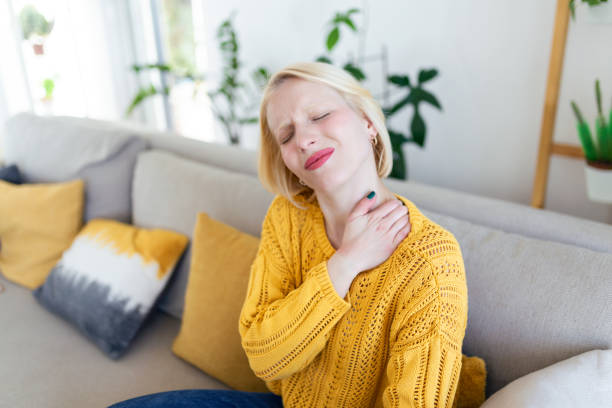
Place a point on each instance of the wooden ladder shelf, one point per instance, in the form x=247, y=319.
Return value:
x=547, y=145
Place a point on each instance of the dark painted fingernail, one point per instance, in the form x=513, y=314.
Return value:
x=372, y=194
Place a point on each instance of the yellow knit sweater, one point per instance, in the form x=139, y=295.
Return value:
x=394, y=340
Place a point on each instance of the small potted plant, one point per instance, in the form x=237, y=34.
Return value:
x=598, y=166
x=35, y=27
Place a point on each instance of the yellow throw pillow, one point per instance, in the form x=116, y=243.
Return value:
x=217, y=285
x=472, y=382
x=37, y=223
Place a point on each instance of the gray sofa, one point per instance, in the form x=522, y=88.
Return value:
x=539, y=282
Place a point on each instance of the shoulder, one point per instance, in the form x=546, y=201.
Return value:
x=283, y=217
x=437, y=248
x=282, y=207
x=430, y=258
x=426, y=238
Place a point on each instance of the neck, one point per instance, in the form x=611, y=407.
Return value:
x=337, y=207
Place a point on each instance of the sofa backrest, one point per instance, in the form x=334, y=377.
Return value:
x=538, y=281
x=505, y=215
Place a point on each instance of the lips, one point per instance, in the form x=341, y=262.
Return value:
x=321, y=154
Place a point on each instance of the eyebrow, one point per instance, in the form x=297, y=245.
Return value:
x=290, y=125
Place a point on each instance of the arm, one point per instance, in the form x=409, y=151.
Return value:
x=283, y=328
x=425, y=348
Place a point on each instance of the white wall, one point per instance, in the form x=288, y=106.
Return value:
x=493, y=62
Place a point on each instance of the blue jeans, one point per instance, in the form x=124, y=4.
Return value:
x=203, y=399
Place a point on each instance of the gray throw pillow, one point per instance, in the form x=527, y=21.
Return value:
x=10, y=174
x=108, y=183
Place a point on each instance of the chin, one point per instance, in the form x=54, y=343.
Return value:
x=330, y=182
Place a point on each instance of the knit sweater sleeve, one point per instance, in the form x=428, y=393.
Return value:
x=426, y=346
x=283, y=327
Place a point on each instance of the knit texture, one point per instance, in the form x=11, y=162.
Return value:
x=393, y=341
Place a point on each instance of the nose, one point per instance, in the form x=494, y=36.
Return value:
x=305, y=136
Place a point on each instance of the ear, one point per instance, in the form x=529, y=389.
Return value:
x=372, y=132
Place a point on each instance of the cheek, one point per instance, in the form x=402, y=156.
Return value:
x=338, y=121
x=344, y=123
x=290, y=159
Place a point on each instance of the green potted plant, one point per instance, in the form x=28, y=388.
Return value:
x=598, y=153
x=233, y=102
x=35, y=27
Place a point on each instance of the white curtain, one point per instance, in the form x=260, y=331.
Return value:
x=90, y=51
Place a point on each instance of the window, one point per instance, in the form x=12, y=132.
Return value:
x=177, y=30
x=74, y=57
x=69, y=56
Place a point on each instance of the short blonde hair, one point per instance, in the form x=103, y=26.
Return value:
x=273, y=173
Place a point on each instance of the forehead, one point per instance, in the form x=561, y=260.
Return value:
x=295, y=96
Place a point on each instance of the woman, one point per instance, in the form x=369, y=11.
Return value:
x=355, y=298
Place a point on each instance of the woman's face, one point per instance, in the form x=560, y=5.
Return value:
x=306, y=117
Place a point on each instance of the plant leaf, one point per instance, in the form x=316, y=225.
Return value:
x=323, y=58
x=403, y=102
x=332, y=38
x=399, y=80
x=142, y=94
x=346, y=20
x=417, y=127
x=354, y=71
x=426, y=75
x=337, y=18
x=429, y=98
x=261, y=76
x=397, y=138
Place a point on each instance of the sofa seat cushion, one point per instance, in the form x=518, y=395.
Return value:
x=46, y=362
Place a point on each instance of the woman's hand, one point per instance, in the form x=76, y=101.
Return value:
x=371, y=236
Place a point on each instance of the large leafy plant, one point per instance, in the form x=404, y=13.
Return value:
x=412, y=94
x=232, y=102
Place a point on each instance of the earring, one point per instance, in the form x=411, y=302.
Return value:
x=374, y=141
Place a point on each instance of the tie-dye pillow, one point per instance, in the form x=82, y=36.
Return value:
x=107, y=282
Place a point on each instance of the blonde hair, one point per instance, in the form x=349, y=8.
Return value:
x=273, y=173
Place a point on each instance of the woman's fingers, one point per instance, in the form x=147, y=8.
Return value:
x=390, y=220
x=402, y=232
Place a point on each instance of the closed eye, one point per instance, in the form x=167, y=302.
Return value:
x=291, y=134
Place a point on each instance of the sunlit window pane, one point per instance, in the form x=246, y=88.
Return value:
x=178, y=34
x=189, y=102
